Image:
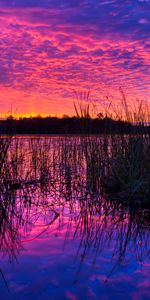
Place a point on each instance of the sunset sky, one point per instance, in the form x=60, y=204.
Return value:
x=51, y=48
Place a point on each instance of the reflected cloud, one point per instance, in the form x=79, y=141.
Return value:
x=52, y=213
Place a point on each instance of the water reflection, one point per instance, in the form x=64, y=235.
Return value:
x=53, y=216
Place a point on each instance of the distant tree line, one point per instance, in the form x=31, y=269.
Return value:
x=67, y=125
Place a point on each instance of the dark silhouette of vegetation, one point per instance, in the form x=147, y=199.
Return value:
x=69, y=125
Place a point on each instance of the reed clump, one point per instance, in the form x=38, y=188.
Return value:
x=126, y=161
x=120, y=163
x=126, y=171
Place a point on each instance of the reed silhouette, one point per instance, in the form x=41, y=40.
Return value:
x=103, y=181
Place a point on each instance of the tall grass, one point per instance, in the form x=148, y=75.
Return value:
x=103, y=181
x=126, y=168
x=119, y=163
x=115, y=166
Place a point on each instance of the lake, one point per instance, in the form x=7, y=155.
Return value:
x=60, y=238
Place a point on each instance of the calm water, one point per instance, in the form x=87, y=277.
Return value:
x=60, y=239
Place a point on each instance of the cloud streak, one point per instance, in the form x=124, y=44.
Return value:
x=48, y=49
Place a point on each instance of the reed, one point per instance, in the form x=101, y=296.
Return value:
x=120, y=163
x=102, y=180
x=116, y=166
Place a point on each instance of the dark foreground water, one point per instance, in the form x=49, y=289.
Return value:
x=73, y=246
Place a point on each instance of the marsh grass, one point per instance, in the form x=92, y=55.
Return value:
x=114, y=166
x=126, y=168
x=103, y=181
x=23, y=186
x=119, y=164
x=127, y=172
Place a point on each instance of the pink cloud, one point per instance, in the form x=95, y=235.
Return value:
x=44, y=58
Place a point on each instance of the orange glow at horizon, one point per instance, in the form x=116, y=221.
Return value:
x=45, y=58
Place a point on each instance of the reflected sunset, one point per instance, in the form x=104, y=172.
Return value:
x=74, y=149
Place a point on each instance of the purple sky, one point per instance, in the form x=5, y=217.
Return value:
x=51, y=48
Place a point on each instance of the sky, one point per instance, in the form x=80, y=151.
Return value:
x=52, y=51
